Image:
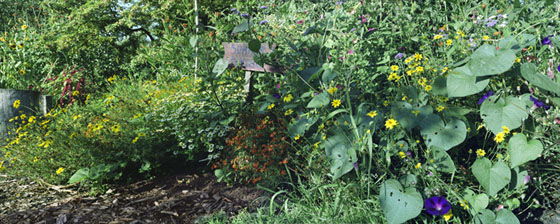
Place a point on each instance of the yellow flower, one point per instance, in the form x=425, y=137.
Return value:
x=59, y=171
x=415, y=112
x=394, y=76
x=403, y=98
x=35, y=159
x=402, y=155
x=517, y=59
x=485, y=37
x=444, y=69
x=270, y=106
x=135, y=139
x=409, y=72
x=480, y=126
x=297, y=137
x=332, y=90
x=408, y=60
x=391, y=123
x=440, y=108
x=480, y=152
x=75, y=93
x=336, y=103
x=506, y=129
x=16, y=104
x=428, y=88
x=417, y=57
x=112, y=78
x=436, y=37
x=499, y=137
x=449, y=42
x=32, y=119
x=372, y=113
x=448, y=215
x=116, y=128
x=418, y=165
x=464, y=204
x=419, y=69
x=289, y=98
x=24, y=27
x=385, y=103
x=288, y=112
x=23, y=117
x=394, y=67
x=21, y=71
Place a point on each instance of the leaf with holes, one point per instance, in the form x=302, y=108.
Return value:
x=498, y=112
x=442, y=160
x=342, y=156
x=399, y=204
x=522, y=151
x=462, y=82
x=445, y=136
x=486, y=60
x=491, y=177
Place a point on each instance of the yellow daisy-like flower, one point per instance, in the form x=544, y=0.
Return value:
x=391, y=123
x=438, y=36
x=394, y=67
x=135, y=139
x=428, y=88
x=335, y=103
x=506, y=129
x=270, y=106
x=297, y=137
x=332, y=90
x=419, y=69
x=24, y=27
x=22, y=72
x=116, y=128
x=32, y=119
x=464, y=204
x=444, y=69
x=16, y=104
x=408, y=60
x=35, y=159
x=402, y=155
x=440, y=108
x=288, y=112
x=418, y=165
x=288, y=98
x=518, y=60
x=500, y=137
x=75, y=93
x=417, y=56
x=449, y=42
x=480, y=152
x=448, y=215
x=59, y=171
x=372, y=113
x=485, y=37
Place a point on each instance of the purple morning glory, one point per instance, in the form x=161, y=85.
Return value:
x=235, y=10
x=356, y=165
x=263, y=22
x=339, y=2
x=491, y=23
x=263, y=7
x=558, y=68
x=399, y=56
x=276, y=95
x=485, y=97
x=437, y=205
x=546, y=40
x=244, y=14
x=538, y=103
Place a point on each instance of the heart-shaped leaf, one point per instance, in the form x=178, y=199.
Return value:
x=485, y=217
x=220, y=66
x=399, y=205
x=445, y=136
x=505, y=216
x=462, y=82
x=498, y=112
x=406, y=114
x=320, y=100
x=517, y=178
x=529, y=72
x=476, y=202
x=522, y=151
x=342, y=156
x=442, y=160
x=491, y=177
x=486, y=60
x=255, y=46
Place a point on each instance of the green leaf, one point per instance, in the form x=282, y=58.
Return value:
x=486, y=60
x=299, y=127
x=309, y=73
x=242, y=27
x=461, y=82
x=408, y=180
x=505, y=216
x=498, y=112
x=517, y=178
x=79, y=175
x=445, y=136
x=255, y=45
x=529, y=72
x=522, y=151
x=328, y=76
x=439, y=87
x=403, y=112
x=476, y=202
x=334, y=113
x=442, y=160
x=342, y=156
x=399, y=204
x=193, y=40
x=220, y=66
x=320, y=100
x=491, y=177
x=485, y=217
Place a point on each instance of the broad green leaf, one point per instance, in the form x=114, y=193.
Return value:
x=522, y=151
x=328, y=76
x=491, y=177
x=254, y=45
x=486, y=60
x=499, y=112
x=485, y=217
x=242, y=27
x=439, y=86
x=220, y=66
x=334, y=113
x=309, y=73
x=445, y=136
x=517, y=178
x=406, y=115
x=442, y=160
x=461, y=82
x=408, y=180
x=300, y=126
x=399, y=204
x=505, y=216
x=79, y=175
x=476, y=202
x=341, y=155
x=529, y=72
x=319, y=101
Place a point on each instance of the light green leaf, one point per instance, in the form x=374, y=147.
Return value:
x=79, y=175
x=436, y=133
x=486, y=60
x=505, y=216
x=522, y=151
x=220, y=66
x=399, y=204
x=498, y=112
x=319, y=101
x=491, y=177
x=242, y=27
x=442, y=160
x=529, y=72
x=461, y=82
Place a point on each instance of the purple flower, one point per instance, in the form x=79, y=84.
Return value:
x=276, y=95
x=527, y=179
x=558, y=68
x=263, y=22
x=352, y=29
x=299, y=22
x=399, y=56
x=370, y=29
x=339, y=2
x=245, y=14
x=356, y=165
x=546, y=40
x=538, y=103
x=485, y=97
x=263, y=7
x=339, y=87
x=437, y=205
x=491, y=23
x=235, y=10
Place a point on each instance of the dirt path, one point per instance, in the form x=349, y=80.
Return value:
x=174, y=199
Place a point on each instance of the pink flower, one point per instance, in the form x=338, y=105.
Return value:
x=350, y=51
x=278, y=86
x=370, y=29
x=499, y=207
x=342, y=58
x=299, y=22
x=557, y=120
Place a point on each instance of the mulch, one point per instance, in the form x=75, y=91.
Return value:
x=173, y=199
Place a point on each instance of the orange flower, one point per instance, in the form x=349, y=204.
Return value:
x=283, y=172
